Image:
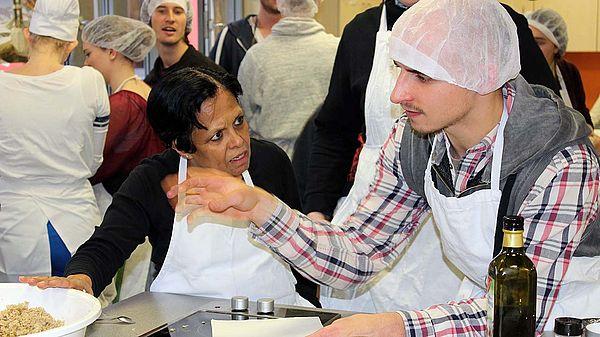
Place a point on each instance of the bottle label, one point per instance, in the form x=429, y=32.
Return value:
x=490, y=307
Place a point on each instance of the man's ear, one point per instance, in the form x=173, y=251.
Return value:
x=72, y=45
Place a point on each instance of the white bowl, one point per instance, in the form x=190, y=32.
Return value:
x=593, y=330
x=76, y=308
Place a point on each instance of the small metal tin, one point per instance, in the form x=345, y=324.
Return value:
x=239, y=303
x=265, y=306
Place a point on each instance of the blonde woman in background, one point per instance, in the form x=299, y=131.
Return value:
x=53, y=123
x=112, y=44
x=550, y=33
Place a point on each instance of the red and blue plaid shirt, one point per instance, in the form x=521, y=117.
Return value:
x=563, y=200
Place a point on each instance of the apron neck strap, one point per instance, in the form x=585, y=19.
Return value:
x=383, y=20
x=496, y=156
x=182, y=172
x=498, y=150
x=247, y=178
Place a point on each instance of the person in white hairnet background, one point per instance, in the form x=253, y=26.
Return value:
x=550, y=32
x=476, y=142
x=52, y=131
x=285, y=78
x=171, y=20
x=111, y=44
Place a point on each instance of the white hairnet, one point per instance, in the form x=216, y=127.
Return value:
x=148, y=7
x=56, y=18
x=130, y=37
x=298, y=8
x=470, y=43
x=552, y=25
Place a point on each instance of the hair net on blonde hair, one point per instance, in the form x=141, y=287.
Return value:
x=469, y=43
x=132, y=38
x=149, y=6
x=552, y=25
x=56, y=18
x=298, y=8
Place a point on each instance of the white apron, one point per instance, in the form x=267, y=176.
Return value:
x=137, y=267
x=564, y=94
x=467, y=226
x=24, y=212
x=407, y=284
x=217, y=260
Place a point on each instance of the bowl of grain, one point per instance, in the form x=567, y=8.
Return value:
x=33, y=312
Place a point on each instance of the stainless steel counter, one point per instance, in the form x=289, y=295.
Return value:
x=154, y=311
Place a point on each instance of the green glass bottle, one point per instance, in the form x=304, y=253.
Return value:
x=512, y=281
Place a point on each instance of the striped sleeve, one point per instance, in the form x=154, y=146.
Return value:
x=101, y=120
x=344, y=255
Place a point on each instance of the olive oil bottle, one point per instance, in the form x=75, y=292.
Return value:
x=511, y=286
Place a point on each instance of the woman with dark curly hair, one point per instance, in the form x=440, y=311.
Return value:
x=196, y=113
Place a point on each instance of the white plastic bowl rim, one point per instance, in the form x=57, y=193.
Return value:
x=593, y=329
x=7, y=290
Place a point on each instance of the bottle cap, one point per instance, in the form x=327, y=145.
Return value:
x=512, y=223
x=568, y=326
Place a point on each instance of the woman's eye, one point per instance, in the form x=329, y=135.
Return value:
x=239, y=120
x=217, y=136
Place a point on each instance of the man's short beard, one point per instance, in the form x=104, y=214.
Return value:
x=170, y=44
x=422, y=133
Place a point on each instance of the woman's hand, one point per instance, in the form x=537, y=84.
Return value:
x=228, y=196
x=387, y=324
x=170, y=180
x=77, y=281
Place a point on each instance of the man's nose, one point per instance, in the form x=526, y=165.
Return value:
x=401, y=91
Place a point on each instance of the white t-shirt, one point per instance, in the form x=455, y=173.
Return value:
x=52, y=131
x=52, y=127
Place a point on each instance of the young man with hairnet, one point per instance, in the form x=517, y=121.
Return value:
x=474, y=133
x=343, y=155
x=172, y=22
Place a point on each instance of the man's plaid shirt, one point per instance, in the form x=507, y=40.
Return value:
x=563, y=200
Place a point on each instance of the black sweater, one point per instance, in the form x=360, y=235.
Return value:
x=574, y=87
x=191, y=58
x=237, y=39
x=140, y=208
x=342, y=118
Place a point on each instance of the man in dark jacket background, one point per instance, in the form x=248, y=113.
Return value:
x=237, y=37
